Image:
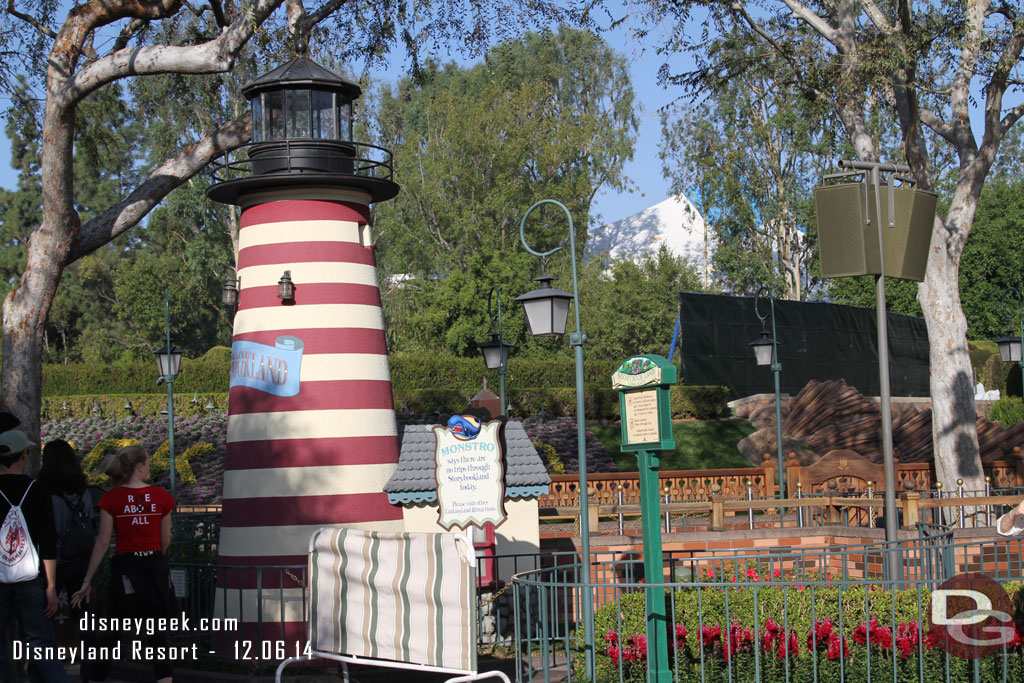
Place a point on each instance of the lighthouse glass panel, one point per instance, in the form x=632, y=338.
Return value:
x=345, y=117
x=257, y=118
x=323, y=115
x=297, y=107
x=274, y=101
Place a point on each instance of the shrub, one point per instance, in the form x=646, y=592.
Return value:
x=733, y=632
x=701, y=402
x=560, y=433
x=1007, y=411
x=550, y=457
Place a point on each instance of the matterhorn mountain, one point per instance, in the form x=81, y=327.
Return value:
x=675, y=222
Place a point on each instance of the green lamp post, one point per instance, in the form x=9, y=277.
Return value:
x=1010, y=345
x=168, y=361
x=546, y=312
x=495, y=351
x=766, y=352
x=643, y=383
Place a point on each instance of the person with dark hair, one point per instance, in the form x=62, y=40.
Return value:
x=139, y=515
x=34, y=601
x=8, y=422
x=74, y=516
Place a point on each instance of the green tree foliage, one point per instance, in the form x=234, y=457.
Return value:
x=547, y=116
x=631, y=307
x=21, y=207
x=993, y=261
x=748, y=156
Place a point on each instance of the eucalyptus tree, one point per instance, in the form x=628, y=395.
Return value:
x=549, y=115
x=919, y=61
x=74, y=51
x=748, y=155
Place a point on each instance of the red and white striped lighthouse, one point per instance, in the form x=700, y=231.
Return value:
x=312, y=437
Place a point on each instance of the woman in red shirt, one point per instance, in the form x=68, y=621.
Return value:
x=140, y=517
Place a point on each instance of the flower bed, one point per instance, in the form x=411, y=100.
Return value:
x=560, y=434
x=795, y=632
x=200, y=476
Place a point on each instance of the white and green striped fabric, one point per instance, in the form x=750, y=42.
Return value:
x=407, y=597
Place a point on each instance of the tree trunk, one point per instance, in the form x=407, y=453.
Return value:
x=24, y=317
x=954, y=431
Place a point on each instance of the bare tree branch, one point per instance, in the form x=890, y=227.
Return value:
x=31, y=21
x=133, y=27
x=121, y=217
x=878, y=17
x=809, y=17
x=212, y=56
x=779, y=50
x=218, y=13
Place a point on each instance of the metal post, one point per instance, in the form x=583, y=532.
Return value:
x=800, y=510
x=776, y=367
x=657, y=621
x=960, y=492
x=988, y=508
x=668, y=517
x=576, y=340
x=750, y=510
x=937, y=510
x=170, y=392
x=891, y=534
x=501, y=351
x=622, y=518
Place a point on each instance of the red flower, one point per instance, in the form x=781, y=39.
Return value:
x=837, y=647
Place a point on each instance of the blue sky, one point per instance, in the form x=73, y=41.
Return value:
x=645, y=169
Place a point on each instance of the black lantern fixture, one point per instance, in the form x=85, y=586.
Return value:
x=1010, y=348
x=764, y=349
x=229, y=293
x=546, y=308
x=495, y=352
x=168, y=360
x=285, y=288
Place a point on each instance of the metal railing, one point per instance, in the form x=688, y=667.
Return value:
x=962, y=508
x=806, y=614
x=291, y=156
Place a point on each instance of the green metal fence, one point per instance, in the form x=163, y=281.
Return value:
x=769, y=615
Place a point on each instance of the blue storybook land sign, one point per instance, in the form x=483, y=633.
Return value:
x=273, y=369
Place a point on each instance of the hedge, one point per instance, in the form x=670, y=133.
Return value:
x=601, y=403
x=409, y=372
x=714, y=636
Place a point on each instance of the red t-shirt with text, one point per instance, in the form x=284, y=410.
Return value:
x=137, y=514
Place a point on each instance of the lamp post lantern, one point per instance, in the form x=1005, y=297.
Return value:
x=1010, y=345
x=496, y=350
x=766, y=351
x=546, y=312
x=168, y=360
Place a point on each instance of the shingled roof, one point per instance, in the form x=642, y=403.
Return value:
x=413, y=480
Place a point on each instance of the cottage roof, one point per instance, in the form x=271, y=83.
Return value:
x=413, y=480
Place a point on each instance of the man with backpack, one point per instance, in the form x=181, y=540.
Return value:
x=28, y=564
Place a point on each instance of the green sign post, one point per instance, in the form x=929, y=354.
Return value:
x=644, y=403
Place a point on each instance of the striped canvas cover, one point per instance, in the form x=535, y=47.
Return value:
x=407, y=597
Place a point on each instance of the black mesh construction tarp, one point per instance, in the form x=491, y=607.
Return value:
x=816, y=341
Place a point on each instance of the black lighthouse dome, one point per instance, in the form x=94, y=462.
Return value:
x=302, y=137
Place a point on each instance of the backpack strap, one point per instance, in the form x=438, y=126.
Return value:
x=31, y=481
x=77, y=507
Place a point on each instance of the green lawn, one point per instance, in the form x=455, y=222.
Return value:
x=699, y=445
